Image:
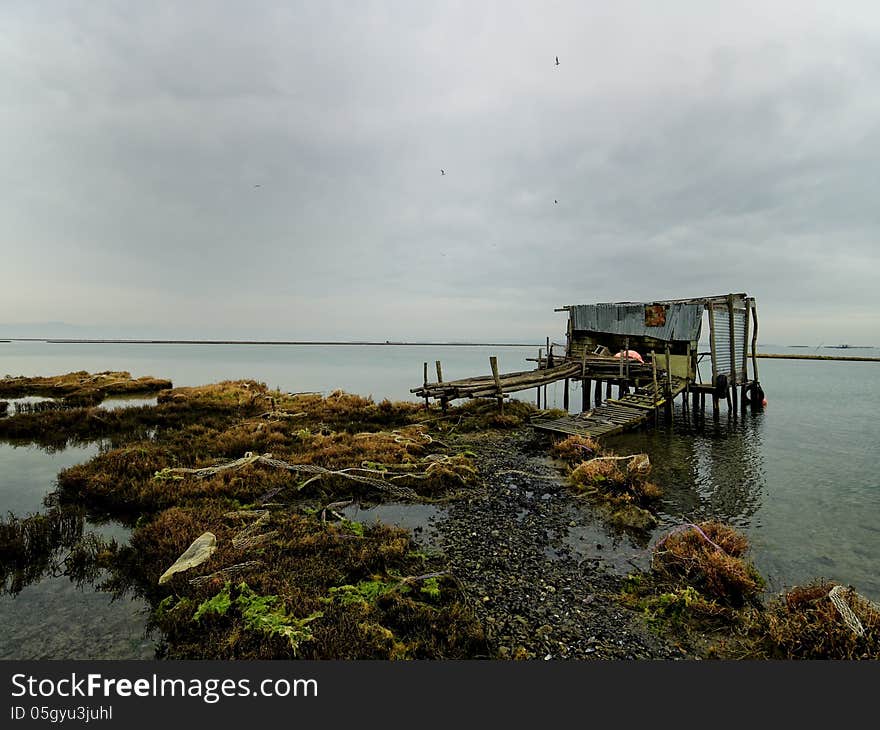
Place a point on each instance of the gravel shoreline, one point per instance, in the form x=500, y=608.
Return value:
x=510, y=547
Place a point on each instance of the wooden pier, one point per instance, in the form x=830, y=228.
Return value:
x=626, y=413
x=648, y=350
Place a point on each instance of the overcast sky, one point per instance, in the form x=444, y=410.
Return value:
x=273, y=170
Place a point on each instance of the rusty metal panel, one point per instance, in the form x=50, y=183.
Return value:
x=680, y=321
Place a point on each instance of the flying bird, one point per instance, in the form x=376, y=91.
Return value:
x=555, y=201
x=442, y=172
x=557, y=60
x=258, y=185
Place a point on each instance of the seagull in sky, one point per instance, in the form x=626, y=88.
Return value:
x=557, y=60
x=442, y=172
x=555, y=201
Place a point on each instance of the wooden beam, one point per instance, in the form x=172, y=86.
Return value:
x=493, y=363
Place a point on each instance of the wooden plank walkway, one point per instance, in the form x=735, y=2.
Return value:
x=612, y=416
x=485, y=386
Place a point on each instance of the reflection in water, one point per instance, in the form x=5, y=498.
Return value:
x=53, y=603
x=708, y=470
x=416, y=517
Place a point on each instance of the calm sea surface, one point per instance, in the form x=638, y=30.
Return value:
x=801, y=479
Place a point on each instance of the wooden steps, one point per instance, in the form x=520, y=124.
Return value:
x=612, y=416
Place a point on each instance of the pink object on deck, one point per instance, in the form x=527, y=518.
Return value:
x=630, y=355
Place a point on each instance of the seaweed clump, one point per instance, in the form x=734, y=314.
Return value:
x=820, y=620
x=619, y=484
x=709, y=556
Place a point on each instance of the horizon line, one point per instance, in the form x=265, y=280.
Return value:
x=80, y=340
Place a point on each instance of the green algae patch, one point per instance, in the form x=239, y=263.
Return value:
x=262, y=614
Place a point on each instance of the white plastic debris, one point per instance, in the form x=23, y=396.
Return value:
x=201, y=549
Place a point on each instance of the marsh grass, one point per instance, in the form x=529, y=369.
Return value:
x=280, y=590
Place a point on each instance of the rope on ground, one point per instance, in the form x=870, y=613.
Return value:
x=849, y=617
x=682, y=528
x=357, y=474
x=226, y=573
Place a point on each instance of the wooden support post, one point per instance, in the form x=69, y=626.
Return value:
x=585, y=382
x=654, y=374
x=426, y=386
x=565, y=396
x=598, y=394
x=607, y=390
x=493, y=363
x=754, y=313
x=443, y=401
x=745, y=357
x=731, y=391
x=695, y=402
x=538, y=389
x=669, y=396
x=549, y=355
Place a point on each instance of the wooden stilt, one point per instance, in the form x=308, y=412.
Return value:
x=731, y=391
x=586, y=386
x=565, y=396
x=598, y=394
x=426, y=385
x=538, y=389
x=493, y=363
x=443, y=402
x=654, y=375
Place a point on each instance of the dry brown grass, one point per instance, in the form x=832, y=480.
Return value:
x=81, y=385
x=805, y=624
x=574, y=449
x=717, y=569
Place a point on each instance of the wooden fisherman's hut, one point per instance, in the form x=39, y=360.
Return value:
x=667, y=335
x=650, y=351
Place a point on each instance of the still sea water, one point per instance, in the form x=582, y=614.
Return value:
x=801, y=479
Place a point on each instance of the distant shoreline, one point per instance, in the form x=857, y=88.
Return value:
x=65, y=341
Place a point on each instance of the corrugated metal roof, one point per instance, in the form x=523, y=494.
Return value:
x=682, y=320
